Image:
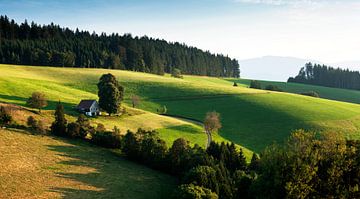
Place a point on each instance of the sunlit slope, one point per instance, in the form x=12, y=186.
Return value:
x=47, y=167
x=345, y=95
x=251, y=118
x=71, y=85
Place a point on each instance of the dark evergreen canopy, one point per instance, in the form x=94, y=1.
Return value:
x=32, y=44
x=322, y=75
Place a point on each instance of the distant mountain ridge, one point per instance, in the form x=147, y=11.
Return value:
x=278, y=68
x=274, y=68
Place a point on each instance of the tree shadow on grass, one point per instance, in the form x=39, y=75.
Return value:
x=184, y=128
x=100, y=173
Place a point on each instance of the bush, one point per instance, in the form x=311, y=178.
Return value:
x=235, y=84
x=273, y=88
x=190, y=191
x=73, y=130
x=162, y=110
x=5, y=117
x=85, y=127
x=176, y=73
x=255, y=84
x=31, y=122
x=36, y=125
x=311, y=94
x=107, y=139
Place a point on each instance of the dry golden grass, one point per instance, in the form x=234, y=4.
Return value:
x=47, y=167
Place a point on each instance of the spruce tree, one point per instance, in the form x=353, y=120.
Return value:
x=58, y=127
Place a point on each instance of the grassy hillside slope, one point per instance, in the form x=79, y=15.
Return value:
x=251, y=118
x=345, y=95
x=48, y=167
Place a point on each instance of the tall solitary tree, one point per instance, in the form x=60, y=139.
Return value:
x=110, y=93
x=211, y=124
x=58, y=127
x=37, y=100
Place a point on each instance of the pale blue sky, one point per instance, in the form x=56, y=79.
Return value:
x=328, y=31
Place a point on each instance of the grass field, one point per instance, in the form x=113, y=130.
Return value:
x=345, y=95
x=251, y=118
x=48, y=167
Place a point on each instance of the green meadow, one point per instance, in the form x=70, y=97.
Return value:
x=345, y=95
x=251, y=118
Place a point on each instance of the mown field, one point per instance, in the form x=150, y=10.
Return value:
x=34, y=166
x=251, y=118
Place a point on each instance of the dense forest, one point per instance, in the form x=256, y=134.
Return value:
x=327, y=76
x=52, y=45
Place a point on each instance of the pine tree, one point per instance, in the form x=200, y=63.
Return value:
x=58, y=127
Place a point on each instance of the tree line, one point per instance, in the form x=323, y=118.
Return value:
x=52, y=45
x=322, y=75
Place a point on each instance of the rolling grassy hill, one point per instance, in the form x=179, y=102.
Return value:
x=345, y=95
x=251, y=118
x=50, y=167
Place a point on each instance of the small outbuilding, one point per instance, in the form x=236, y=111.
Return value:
x=89, y=107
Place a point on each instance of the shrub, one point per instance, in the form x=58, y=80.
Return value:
x=190, y=191
x=73, y=130
x=101, y=128
x=85, y=127
x=31, y=122
x=235, y=84
x=36, y=125
x=255, y=84
x=311, y=94
x=162, y=110
x=5, y=117
x=176, y=73
x=106, y=139
x=273, y=88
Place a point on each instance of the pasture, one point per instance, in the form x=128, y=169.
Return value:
x=250, y=118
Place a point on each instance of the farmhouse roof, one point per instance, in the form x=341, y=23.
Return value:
x=86, y=104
